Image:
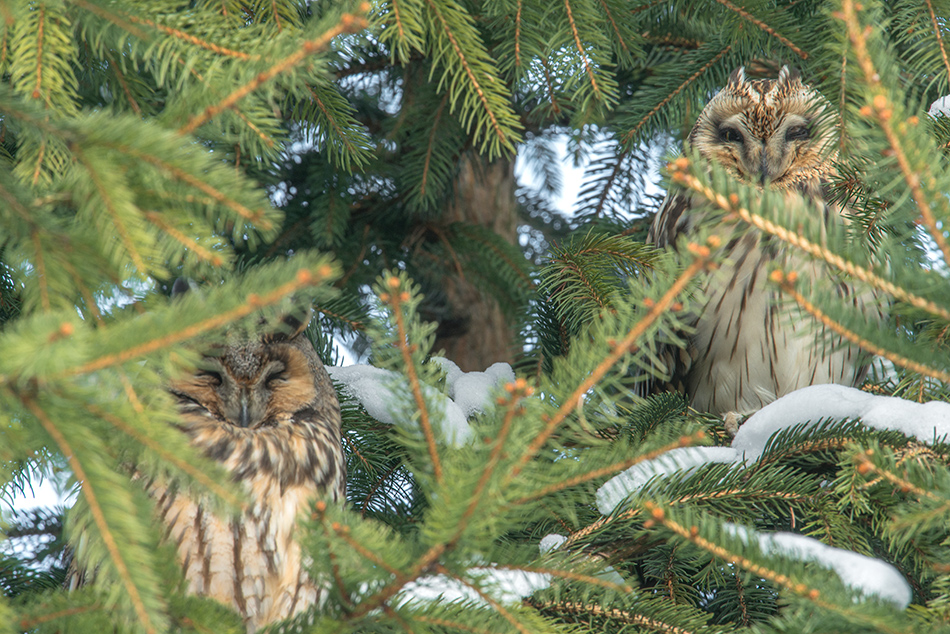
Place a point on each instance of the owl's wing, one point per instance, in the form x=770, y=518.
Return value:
x=672, y=220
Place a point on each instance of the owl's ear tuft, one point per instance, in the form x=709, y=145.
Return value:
x=291, y=325
x=181, y=286
x=789, y=75
x=737, y=76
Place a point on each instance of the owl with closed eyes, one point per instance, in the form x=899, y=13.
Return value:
x=746, y=348
x=263, y=407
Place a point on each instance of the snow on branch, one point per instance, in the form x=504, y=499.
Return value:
x=384, y=394
x=867, y=575
x=927, y=422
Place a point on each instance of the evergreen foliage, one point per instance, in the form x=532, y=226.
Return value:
x=285, y=153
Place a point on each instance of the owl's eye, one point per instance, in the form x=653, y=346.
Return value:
x=798, y=133
x=275, y=378
x=209, y=375
x=729, y=135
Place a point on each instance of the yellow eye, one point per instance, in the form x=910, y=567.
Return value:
x=729, y=135
x=798, y=133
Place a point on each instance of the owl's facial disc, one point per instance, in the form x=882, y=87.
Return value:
x=761, y=154
x=244, y=398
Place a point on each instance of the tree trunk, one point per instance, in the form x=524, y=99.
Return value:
x=481, y=336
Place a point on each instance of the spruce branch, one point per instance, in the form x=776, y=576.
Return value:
x=116, y=554
x=701, y=259
x=507, y=615
x=452, y=625
x=613, y=25
x=939, y=36
x=29, y=624
x=202, y=185
x=882, y=109
x=623, y=465
x=348, y=24
x=472, y=69
x=787, y=284
x=106, y=195
x=614, y=614
x=866, y=466
x=518, y=391
x=745, y=15
x=630, y=136
x=422, y=566
x=583, y=54
x=192, y=245
x=394, y=298
x=518, y=34
x=179, y=461
x=731, y=205
x=42, y=279
x=691, y=534
x=431, y=145
x=304, y=278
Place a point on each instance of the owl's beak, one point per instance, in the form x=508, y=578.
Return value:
x=245, y=419
x=764, y=168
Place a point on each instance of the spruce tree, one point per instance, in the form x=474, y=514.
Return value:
x=293, y=153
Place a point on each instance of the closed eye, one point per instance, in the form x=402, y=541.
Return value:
x=729, y=135
x=798, y=133
x=209, y=375
x=275, y=378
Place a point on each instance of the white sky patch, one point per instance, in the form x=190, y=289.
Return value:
x=504, y=586
x=472, y=391
x=869, y=576
x=685, y=459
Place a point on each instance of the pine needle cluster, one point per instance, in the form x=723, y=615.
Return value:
x=284, y=153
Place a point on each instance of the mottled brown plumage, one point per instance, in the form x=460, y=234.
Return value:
x=265, y=409
x=747, y=349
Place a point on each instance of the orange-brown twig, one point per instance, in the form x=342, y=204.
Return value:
x=622, y=348
x=882, y=112
x=95, y=509
x=348, y=24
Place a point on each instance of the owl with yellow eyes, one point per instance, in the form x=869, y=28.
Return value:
x=746, y=348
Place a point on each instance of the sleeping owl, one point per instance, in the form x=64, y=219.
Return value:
x=747, y=349
x=262, y=406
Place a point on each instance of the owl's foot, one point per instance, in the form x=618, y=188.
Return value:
x=731, y=421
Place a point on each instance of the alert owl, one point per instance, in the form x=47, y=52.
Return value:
x=264, y=408
x=746, y=348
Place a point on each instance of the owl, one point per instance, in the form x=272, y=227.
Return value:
x=745, y=348
x=264, y=408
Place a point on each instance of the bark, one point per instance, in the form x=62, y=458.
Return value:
x=476, y=334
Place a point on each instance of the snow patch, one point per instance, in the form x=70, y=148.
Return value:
x=504, y=586
x=384, y=393
x=551, y=542
x=941, y=107
x=685, y=459
x=472, y=390
x=867, y=575
x=928, y=422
